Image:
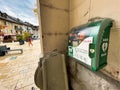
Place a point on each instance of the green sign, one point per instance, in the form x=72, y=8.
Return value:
x=89, y=43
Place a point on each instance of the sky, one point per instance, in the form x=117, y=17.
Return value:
x=22, y=9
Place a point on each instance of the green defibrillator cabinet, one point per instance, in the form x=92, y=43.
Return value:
x=89, y=43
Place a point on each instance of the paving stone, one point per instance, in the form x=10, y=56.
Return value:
x=17, y=70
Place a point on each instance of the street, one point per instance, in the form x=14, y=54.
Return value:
x=17, y=70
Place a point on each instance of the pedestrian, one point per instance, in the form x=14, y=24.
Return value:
x=30, y=41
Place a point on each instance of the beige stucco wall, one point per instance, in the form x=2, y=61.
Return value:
x=80, y=12
x=54, y=24
x=58, y=17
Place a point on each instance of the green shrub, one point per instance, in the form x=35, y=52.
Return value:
x=26, y=35
x=20, y=37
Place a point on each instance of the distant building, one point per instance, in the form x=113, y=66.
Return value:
x=36, y=33
x=12, y=26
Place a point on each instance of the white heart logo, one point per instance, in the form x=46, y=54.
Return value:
x=104, y=46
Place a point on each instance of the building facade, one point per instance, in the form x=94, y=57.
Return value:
x=11, y=27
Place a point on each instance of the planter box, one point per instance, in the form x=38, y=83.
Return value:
x=21, y=42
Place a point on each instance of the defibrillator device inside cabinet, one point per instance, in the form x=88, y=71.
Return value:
x=89, y=43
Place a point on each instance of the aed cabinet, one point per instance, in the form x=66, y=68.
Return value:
x=89, y=43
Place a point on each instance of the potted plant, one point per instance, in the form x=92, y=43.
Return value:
x=20, y=38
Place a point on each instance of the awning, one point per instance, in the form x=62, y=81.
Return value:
x=9, y=34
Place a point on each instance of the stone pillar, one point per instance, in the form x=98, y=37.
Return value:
x=54, y=23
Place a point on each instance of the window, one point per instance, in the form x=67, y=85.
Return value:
x=5, y=23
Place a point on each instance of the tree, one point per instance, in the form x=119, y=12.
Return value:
x=20, y=37
x=26, y=35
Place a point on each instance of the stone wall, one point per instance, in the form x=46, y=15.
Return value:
x=80, y=12
x=58, y=17
x=82, y=78
x=54, y=22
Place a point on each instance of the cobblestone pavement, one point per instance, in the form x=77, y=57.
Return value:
x=17, y=70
